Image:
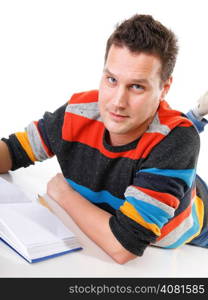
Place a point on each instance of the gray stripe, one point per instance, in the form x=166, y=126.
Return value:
x=88, y=110
x=133, y=192
x=176, y=234
x=35, y=142
x=156, y=126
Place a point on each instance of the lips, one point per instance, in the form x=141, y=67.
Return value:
x=118, y=117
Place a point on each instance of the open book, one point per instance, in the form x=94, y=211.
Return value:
x=31, y=229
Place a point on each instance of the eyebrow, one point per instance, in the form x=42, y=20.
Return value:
x=135, y=80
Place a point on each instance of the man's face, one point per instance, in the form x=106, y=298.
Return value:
x=129, y=94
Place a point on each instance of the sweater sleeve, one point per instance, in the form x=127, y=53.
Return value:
x=160, y=191
x=40, y=140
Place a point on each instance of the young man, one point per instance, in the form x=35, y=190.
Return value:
x=128, y=159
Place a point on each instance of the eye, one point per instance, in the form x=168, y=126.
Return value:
x=111, y=80
x=137, y=87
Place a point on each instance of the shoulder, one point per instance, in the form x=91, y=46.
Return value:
x=175, y=126
x=84, y=97
x=177, y=140
x=178, y=149
x=181, y=129
x=172, y=118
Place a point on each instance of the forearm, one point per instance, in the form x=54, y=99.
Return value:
x=5, y=158
x=94, y=222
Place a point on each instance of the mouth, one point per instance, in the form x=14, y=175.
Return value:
x=118, y=117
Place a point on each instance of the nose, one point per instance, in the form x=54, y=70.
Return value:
x=120, y=98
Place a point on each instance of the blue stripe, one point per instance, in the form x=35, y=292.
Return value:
x=155, y=214
x=96, y=197
x=194, y=229
x=187, y=175
x=198, y=124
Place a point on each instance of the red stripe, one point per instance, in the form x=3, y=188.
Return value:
x=175, y=222
x=89, y=132
x=147, y=142
x=166, y=198
x=171, y=118
x=50, y=154
x=84, y=97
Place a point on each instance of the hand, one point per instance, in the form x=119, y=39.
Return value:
x=58, y=188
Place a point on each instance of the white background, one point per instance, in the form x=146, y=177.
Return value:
x=50, y=49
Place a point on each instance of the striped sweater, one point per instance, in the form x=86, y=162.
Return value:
x=149, y=185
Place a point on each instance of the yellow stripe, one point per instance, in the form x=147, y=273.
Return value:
x=24, y=141
x=200, y=214
x=129, y=210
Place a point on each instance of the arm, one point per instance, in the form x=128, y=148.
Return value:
x=37, y=143
x=5, y=158
x=92, y=220
x=151, y=201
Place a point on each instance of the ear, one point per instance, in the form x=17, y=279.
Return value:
x=165, y=87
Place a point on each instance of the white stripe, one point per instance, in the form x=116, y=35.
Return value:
x=35, y=142
x=133, y=192
x=156, y=126
x=176, y=234
x=88, y=110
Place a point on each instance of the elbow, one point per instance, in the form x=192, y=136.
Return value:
x=4, y=170
x=123, y=257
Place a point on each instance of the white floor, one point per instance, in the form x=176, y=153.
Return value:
x=92, y=262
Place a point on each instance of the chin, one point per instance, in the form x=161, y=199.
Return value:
x=118, y=131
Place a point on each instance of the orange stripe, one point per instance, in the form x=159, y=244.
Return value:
x=200, y=214
x=24, y=141
x=129, y=210
x=162, y=197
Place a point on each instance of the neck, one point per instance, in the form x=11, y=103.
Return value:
x=124, y=139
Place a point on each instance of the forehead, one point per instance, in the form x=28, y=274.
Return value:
x=122, y=62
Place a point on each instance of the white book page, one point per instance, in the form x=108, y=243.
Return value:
x=10, y=193
x=33, y=224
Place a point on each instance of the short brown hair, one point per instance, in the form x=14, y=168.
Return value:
x=141, y=33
